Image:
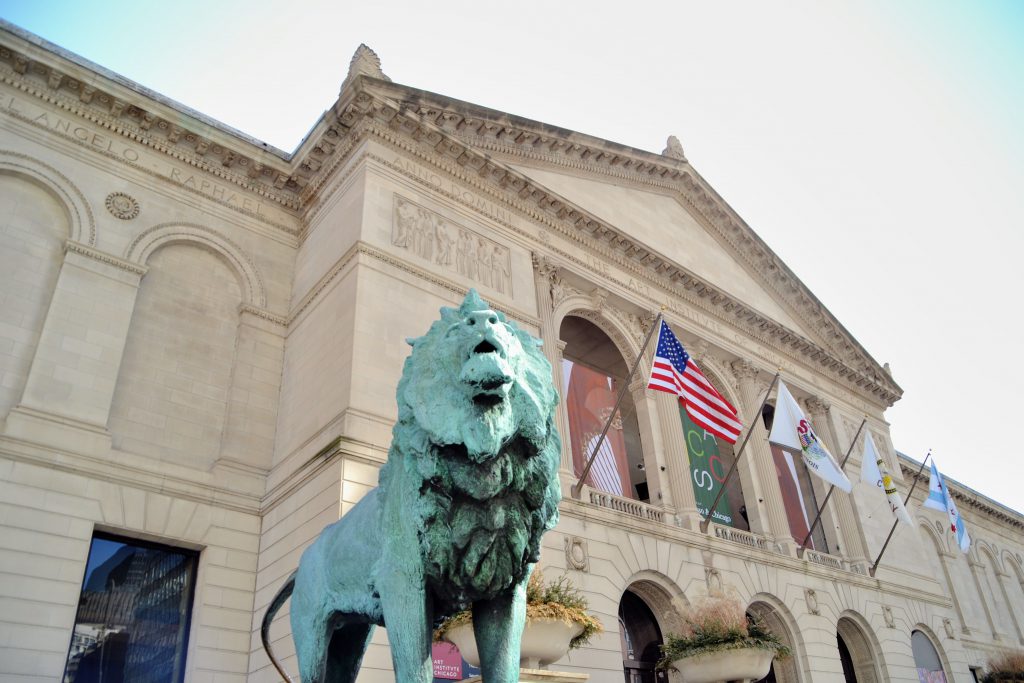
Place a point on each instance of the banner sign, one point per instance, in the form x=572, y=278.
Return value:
x=707, y=470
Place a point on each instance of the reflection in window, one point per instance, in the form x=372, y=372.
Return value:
x=590, y=399
x=926, y=659
x=133, y=613
x=798, y=497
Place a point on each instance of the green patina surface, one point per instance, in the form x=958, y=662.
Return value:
x=469, y=487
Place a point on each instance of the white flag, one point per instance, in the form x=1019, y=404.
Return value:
x=792, y=430
x=874, y=472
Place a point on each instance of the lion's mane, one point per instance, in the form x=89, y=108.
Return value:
x=485, y=456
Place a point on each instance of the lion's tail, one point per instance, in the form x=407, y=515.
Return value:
x=283, y=593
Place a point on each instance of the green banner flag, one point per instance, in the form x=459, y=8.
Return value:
x=707, y=470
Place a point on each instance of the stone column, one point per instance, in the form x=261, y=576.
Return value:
x=70, y=384
x=544, y=271
x=677, y=460
x=763, y=498
x=953, y=594
x=653, y=447
x=841, y=516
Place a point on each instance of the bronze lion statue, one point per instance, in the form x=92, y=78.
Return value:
x=469, y=487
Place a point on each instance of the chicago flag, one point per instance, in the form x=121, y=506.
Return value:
x=940, y=499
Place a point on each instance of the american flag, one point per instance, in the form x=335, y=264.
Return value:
x=675, y=372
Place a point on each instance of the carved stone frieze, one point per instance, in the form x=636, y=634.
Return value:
x=453, y=247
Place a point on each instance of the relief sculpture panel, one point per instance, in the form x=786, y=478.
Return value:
x=452, y=246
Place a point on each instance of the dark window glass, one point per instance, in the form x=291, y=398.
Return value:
x=133, y=614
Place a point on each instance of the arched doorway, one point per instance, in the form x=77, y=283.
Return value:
x=857, y=652
x=592, y=374
x=787, y=670
x=640, y=640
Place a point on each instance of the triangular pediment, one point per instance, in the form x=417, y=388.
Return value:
x=660, y=221
x=611, y=195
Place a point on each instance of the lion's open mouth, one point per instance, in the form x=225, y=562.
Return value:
x=487, y=373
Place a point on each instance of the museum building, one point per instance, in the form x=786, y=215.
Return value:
x=201, y=337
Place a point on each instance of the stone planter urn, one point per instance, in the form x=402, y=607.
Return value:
x=745, y=664
x=545, y=641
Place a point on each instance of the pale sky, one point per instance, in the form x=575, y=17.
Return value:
x=877, y=147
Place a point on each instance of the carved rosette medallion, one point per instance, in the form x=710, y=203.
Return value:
x=576, y=555
x=122, y=206
x=451, y=246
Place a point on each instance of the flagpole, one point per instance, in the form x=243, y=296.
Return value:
x=893, y=529
x=578, y=486
x=817, y=518
x=704, y=523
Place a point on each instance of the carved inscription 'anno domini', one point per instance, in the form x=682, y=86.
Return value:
x=451, y=246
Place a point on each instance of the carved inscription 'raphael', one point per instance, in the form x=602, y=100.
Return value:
x=451, y=246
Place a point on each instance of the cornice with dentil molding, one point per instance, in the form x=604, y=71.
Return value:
x=538, y=203
x=141, y=119
x=532, y=141
x=296, y=182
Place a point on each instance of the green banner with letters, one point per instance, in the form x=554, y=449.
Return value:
x=707, y=470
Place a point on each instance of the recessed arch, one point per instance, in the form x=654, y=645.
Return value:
x=650, y=608
x=143, y=246
x=774, y=614
x=864, y=649
x=82, y=224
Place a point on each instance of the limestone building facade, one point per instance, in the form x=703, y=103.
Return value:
x=201, y=335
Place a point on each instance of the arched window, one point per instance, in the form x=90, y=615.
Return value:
x=592, y=375
x=640, y=639
x=926, y=659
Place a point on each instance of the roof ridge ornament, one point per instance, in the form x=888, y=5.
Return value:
x=365, y=62
x=673, y=149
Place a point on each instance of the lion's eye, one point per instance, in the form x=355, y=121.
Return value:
x=493, y=320
x=471, y=321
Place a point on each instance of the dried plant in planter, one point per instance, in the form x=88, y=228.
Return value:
x=715, y=624
x=1008, y=666
x=557, y=600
